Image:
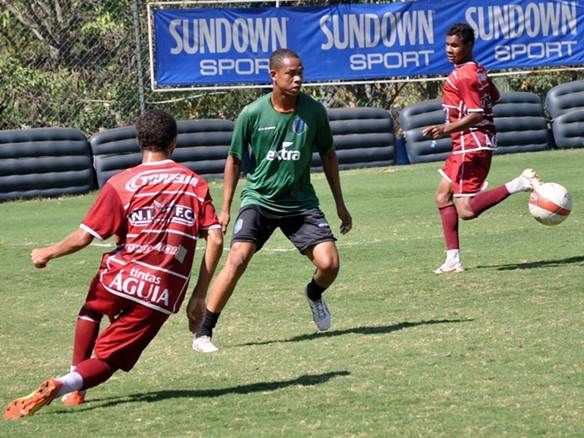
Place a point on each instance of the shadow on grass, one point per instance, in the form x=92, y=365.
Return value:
x=538, y=264
x=155, y=396
x=375, y=330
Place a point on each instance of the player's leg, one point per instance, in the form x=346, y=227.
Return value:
x=223, y=286
x=312, y=236
x=484, y=200
x=449, y=220
x=251, y=230
x=473, y=174
x=86, y=331
x=325, y=258
x=99, y=302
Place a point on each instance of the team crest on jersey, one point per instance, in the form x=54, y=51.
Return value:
x=238, y=226
x=298, y=125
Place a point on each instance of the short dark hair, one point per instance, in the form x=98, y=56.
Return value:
x=464, y=31
x=156, y=130
x=278, y=56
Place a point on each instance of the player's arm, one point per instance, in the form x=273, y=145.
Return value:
x=231, y=176
x=213, y=251
x=240, y=139
x=75, y=241
x=330, y=164
x=468, y=121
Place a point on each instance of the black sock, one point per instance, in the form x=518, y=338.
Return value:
x=208, y=324
x=314, y=291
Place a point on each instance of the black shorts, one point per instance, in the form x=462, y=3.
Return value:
x=305, y=229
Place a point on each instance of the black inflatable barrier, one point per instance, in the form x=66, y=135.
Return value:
x=521, y=123
x=412, y=119
x=44, y=162
x=363, y=137
x=568, y=129
x=202, y=146
x=564, y=98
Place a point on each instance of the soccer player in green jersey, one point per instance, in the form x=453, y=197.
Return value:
x=281, y=129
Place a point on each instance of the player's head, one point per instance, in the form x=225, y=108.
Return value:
x=286, y=71
x=156, y=131
x=460, y=40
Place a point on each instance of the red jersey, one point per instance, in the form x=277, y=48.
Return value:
x=468, y=89
x=156, y=211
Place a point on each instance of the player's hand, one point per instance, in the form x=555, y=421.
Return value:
x=195, y=312
x=40, y=257
x=346, y=219
x=224, y=219
x=434, y=131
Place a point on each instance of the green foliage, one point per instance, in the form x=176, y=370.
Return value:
x=494, y=351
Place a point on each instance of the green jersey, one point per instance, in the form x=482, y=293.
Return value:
x=281, y=147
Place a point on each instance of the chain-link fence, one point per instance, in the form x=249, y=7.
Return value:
x=68, y=63
x=85, y=64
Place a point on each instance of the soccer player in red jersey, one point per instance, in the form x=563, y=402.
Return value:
x=468, y=99
x=157, y=211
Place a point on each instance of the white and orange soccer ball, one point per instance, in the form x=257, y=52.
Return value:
x=550, y=203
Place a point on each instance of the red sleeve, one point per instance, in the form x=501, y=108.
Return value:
x=208, y=216
x=106, y=216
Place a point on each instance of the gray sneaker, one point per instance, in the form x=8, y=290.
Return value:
x=320, y=313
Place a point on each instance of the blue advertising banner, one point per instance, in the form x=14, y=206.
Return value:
x=201, y=47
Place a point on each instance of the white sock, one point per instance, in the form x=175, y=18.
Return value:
x=516, y=185
x=71, y=382
x=453, y=256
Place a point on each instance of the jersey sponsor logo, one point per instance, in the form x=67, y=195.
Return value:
x=154, y=177
x=160, y=247
x=284, y=154
x=266, y=128
x=141, y=285
x=178, y=214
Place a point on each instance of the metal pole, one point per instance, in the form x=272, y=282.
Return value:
x=138, y=54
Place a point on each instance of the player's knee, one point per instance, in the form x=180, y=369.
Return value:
x=466, y=214
x=90, y=314
x=238, y=261
x=216, y=239
x=329, y=266
x=442, y=200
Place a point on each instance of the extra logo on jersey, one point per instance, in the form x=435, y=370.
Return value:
x=284, y=154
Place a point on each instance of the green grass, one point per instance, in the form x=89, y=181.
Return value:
x=497, y=350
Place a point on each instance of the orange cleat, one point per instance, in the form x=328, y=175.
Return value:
x=25, y=406
x=74, y=398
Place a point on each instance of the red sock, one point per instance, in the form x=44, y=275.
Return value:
x=86, y=331
x=449, y=218
x=485, y=200
x=94, y=371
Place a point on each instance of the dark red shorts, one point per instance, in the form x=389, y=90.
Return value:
x=132, y=328
x=467, y=172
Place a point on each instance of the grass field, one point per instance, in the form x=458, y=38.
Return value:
x=496, y=350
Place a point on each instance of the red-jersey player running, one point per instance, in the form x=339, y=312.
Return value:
x=468, y=99
x=156, y=210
